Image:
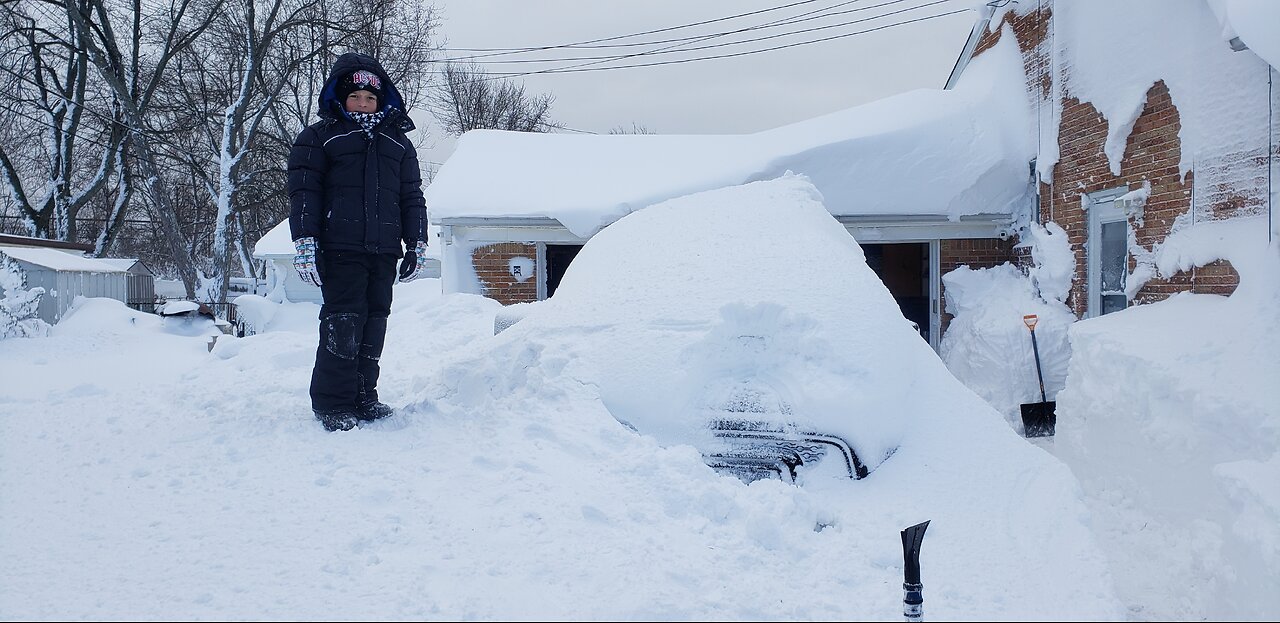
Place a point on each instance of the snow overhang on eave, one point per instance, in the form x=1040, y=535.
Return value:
x=902, y=227
x=975, y=35
x=540, y=222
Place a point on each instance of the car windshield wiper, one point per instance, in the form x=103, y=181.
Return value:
x=755, y=450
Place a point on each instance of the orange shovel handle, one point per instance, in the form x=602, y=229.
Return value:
x=1030, y=320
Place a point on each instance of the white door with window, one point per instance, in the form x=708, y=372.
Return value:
x=1108, y=253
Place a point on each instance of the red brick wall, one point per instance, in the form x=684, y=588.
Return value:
x=974, y=253
x=1151, y=155
x=492, y=265
x=1031, y=30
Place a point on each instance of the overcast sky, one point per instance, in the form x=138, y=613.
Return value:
x=747, y=93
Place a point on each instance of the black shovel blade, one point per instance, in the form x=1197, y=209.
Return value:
x=1039, y=419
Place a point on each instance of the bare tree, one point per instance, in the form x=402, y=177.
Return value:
x=133, y=79
x=185, y=109
x=82, y=148
x=243, y=72
x=635, y=128
x=239, y=75
x=468, y=99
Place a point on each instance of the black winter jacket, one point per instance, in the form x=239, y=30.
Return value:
x=350, y=192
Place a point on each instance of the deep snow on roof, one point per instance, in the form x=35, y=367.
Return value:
x=275, y=243
x=59, y=260
x=927, y=152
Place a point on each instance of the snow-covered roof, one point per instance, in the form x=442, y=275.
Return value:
x=1190, y=45
x=120, y=262
x=1255, y=22
x=59, y=260
x=277, y=242
x=926, y=152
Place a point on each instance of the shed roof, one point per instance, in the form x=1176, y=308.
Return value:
x=28, y=241
x=128, y=264
x=59, y=260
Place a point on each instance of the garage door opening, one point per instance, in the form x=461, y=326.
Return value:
x=559, y=256
x=904, y=269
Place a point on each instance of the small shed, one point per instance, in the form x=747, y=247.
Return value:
x=276, y=248
x=141, y=283
x=65, y=274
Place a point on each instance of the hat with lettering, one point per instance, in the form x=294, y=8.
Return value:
x=360, y=80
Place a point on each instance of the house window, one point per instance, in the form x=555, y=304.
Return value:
x=1108, y=253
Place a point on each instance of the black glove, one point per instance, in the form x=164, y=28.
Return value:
x=414, y=263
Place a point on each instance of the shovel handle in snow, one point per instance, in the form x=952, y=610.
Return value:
x=1030, y=320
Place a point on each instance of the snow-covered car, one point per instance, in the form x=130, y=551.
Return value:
x=773, y=351
x=749, y=309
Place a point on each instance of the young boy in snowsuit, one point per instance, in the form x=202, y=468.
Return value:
x=355, y=196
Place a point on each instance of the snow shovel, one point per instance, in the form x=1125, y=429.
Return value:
x=1038, y=418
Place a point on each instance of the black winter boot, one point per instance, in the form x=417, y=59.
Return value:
x=375, y=410
x=338, y=419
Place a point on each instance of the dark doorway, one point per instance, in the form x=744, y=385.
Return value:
x=904, y=269
x=559, y=256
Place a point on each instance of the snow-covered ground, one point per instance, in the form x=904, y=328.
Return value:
x=146, y=477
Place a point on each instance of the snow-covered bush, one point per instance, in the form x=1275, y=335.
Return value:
x=18, y=305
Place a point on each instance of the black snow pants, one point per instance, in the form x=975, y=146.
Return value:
x=353, y=326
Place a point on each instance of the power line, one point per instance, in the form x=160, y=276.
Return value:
x=803, y=17
x=638, y=34
x=732, y=43
x=796, y=19
x=578, y=69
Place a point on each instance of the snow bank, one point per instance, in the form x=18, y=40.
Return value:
x=1177, y=441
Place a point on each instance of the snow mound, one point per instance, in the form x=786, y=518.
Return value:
x=654, y=330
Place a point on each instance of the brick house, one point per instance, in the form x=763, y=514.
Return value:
x=1151, y=116
x=924, y=181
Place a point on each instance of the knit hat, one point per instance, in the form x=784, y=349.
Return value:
x=361, y=80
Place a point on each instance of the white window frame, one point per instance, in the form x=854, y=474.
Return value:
x=1102, y=210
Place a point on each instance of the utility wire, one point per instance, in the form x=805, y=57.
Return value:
x=803, y=17
x=638, y=34
x=578, y=67
x=581, y=68
x=731, y=43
